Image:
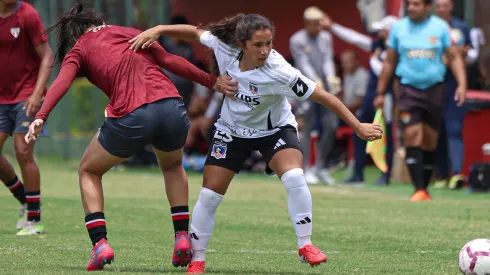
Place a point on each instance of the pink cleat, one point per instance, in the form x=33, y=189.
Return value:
x=102, y=254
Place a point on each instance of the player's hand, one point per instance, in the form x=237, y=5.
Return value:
x=369, y=132
x=379, y=101
x=33, y=104
x=377, y=53
x=460, y=95
x=226, y=86
x=34, y=130
x=144, y=39
x=326, y=22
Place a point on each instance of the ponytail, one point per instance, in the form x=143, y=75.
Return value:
x=71, y=26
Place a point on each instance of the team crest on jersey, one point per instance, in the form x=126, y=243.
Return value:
x=219, y=151
x=15, y=32
x=254, y=88
x=433, y=40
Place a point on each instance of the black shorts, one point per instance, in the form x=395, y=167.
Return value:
x=163, y=124
x=421, y=106
x=230, y=152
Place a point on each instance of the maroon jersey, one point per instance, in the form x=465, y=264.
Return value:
x=130, y=79
x=20, y=33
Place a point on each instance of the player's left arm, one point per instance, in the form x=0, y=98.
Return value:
x=455, y=62
x=35, y=31
x=300, y=87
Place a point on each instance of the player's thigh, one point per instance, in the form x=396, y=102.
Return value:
x=282, y=151
x=225, y=158
x=97, y=160
x=168, y=160
x=172, y=125
x=434, y=106
x=124, y=136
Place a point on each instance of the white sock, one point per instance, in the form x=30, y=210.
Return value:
x=299, y=204
x=202, y=224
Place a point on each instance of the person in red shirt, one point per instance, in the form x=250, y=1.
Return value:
x=26, y=60
x=144, y=107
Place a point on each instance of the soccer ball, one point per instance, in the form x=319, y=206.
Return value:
x=474, y=257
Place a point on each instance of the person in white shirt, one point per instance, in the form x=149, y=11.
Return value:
x=257, y=117
x=377, y=47
x=312, y=51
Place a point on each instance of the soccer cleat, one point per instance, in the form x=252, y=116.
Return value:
x=420, y=195
x=22, y=221
x=196, y=267
x=310, y=254
x=440, y=184
x=102, y=254
x=456, y=182
x=31, y=228
x=182, y=250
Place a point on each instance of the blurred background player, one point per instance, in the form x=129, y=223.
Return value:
x=417, y=44
x=144, y=108
x=450, y=145
x=259, y=118
x=312, y=51
x=26, y=60
x=377, y=47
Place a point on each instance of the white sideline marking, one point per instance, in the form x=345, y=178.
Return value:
x=424, y=251
x=256, y=251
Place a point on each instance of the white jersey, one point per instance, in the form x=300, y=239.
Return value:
x=261, y=106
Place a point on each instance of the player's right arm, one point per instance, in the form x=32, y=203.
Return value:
x=184, y=32
x=69, y=70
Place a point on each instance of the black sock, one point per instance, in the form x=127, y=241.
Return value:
x=95, y=224
x=180, y=218
x=17, y=189
x=33, y=206
x=415, y=165
x=429, y=158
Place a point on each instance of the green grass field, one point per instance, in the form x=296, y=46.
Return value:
x=364, y=230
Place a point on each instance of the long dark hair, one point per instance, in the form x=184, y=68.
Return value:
x=72, y=25
x=235, y=30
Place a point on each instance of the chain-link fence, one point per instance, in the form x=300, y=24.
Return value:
x=80, y=113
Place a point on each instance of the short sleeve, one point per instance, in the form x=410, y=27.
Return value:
x=446, y=38
x=35, y=29
x=393, y=38
x=223, y=52
x=297, y=85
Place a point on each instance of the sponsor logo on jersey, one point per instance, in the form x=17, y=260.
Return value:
x=299, y=87
x=421, y=54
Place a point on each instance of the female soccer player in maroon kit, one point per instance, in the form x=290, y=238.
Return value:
x=25, y=67
x=144, y=107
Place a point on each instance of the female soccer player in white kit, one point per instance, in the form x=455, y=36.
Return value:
x=258, y=117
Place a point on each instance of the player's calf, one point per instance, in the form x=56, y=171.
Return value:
x=182, y=250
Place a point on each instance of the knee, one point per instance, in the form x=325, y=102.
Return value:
x=293, y=179
x=171, y=165
x=209, y=198
x=24, y=155
x=412, y=137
